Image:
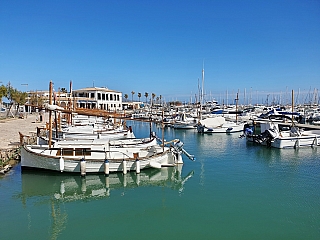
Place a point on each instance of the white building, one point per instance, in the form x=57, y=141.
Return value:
x=98, y=98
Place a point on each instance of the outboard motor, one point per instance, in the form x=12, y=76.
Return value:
x=178, y=146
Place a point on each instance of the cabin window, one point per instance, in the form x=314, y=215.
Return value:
x=82, y=152
x=65, y=152
x=103, y=96
x=91, y=95
x=74, y=152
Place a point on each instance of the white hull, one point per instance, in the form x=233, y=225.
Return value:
x=184, y=126
x=292, y=142
x=226, y=128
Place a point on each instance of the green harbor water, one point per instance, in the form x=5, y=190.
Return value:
x=234, y=190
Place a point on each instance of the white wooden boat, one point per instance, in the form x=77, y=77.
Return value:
x=218, y=125
x=95, y=156
x=270, y=135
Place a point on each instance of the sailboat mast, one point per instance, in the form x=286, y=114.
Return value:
x=202, y=85
x=50, y=114
x=292, y=102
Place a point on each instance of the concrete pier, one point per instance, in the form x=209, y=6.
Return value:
x=10, y=138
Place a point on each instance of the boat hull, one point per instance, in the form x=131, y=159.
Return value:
x=223, y=129
x=290, y=142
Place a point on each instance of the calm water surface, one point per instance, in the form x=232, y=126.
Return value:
x=234, y=190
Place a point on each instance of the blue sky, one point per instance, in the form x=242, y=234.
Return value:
x=258, y=48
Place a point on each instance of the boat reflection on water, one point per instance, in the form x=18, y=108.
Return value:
x=73, y=187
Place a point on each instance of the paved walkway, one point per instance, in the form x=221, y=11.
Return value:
x=10, y=128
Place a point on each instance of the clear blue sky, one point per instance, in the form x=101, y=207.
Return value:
x=159, y=47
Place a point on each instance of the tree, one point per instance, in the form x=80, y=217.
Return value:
x=36, y=100
x=139, y=96
x=15, y=97
x=20, y=98
x=132, y=93
x=146, y=95
x=63, y=90
x=153, y=96
x=3, y=92
x=126, y=97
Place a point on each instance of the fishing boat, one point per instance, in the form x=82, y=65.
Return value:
x=96, y=156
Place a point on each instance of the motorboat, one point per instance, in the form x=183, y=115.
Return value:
x=274, y=134
x=218, y=125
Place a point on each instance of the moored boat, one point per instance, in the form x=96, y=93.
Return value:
x=271, y=134
x=218, y=125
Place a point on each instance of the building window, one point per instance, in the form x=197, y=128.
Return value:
x=99, y=96
x=117, y=97
x=92, y=95
x=103, y=96
x=107, y=96
x=111, y=97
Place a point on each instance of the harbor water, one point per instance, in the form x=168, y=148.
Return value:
x=234, y=190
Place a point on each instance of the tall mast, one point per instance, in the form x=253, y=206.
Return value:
x=202, y=84
x=292, y=106
x=50, y=114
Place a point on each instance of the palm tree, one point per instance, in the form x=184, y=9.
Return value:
x=126, y=97
x=63, y=90
x=132, y=93
x=139, y=96
x=146, y=95
x=153, y=96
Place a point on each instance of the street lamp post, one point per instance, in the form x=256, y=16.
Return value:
x=26, y=84
x=0, y=101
